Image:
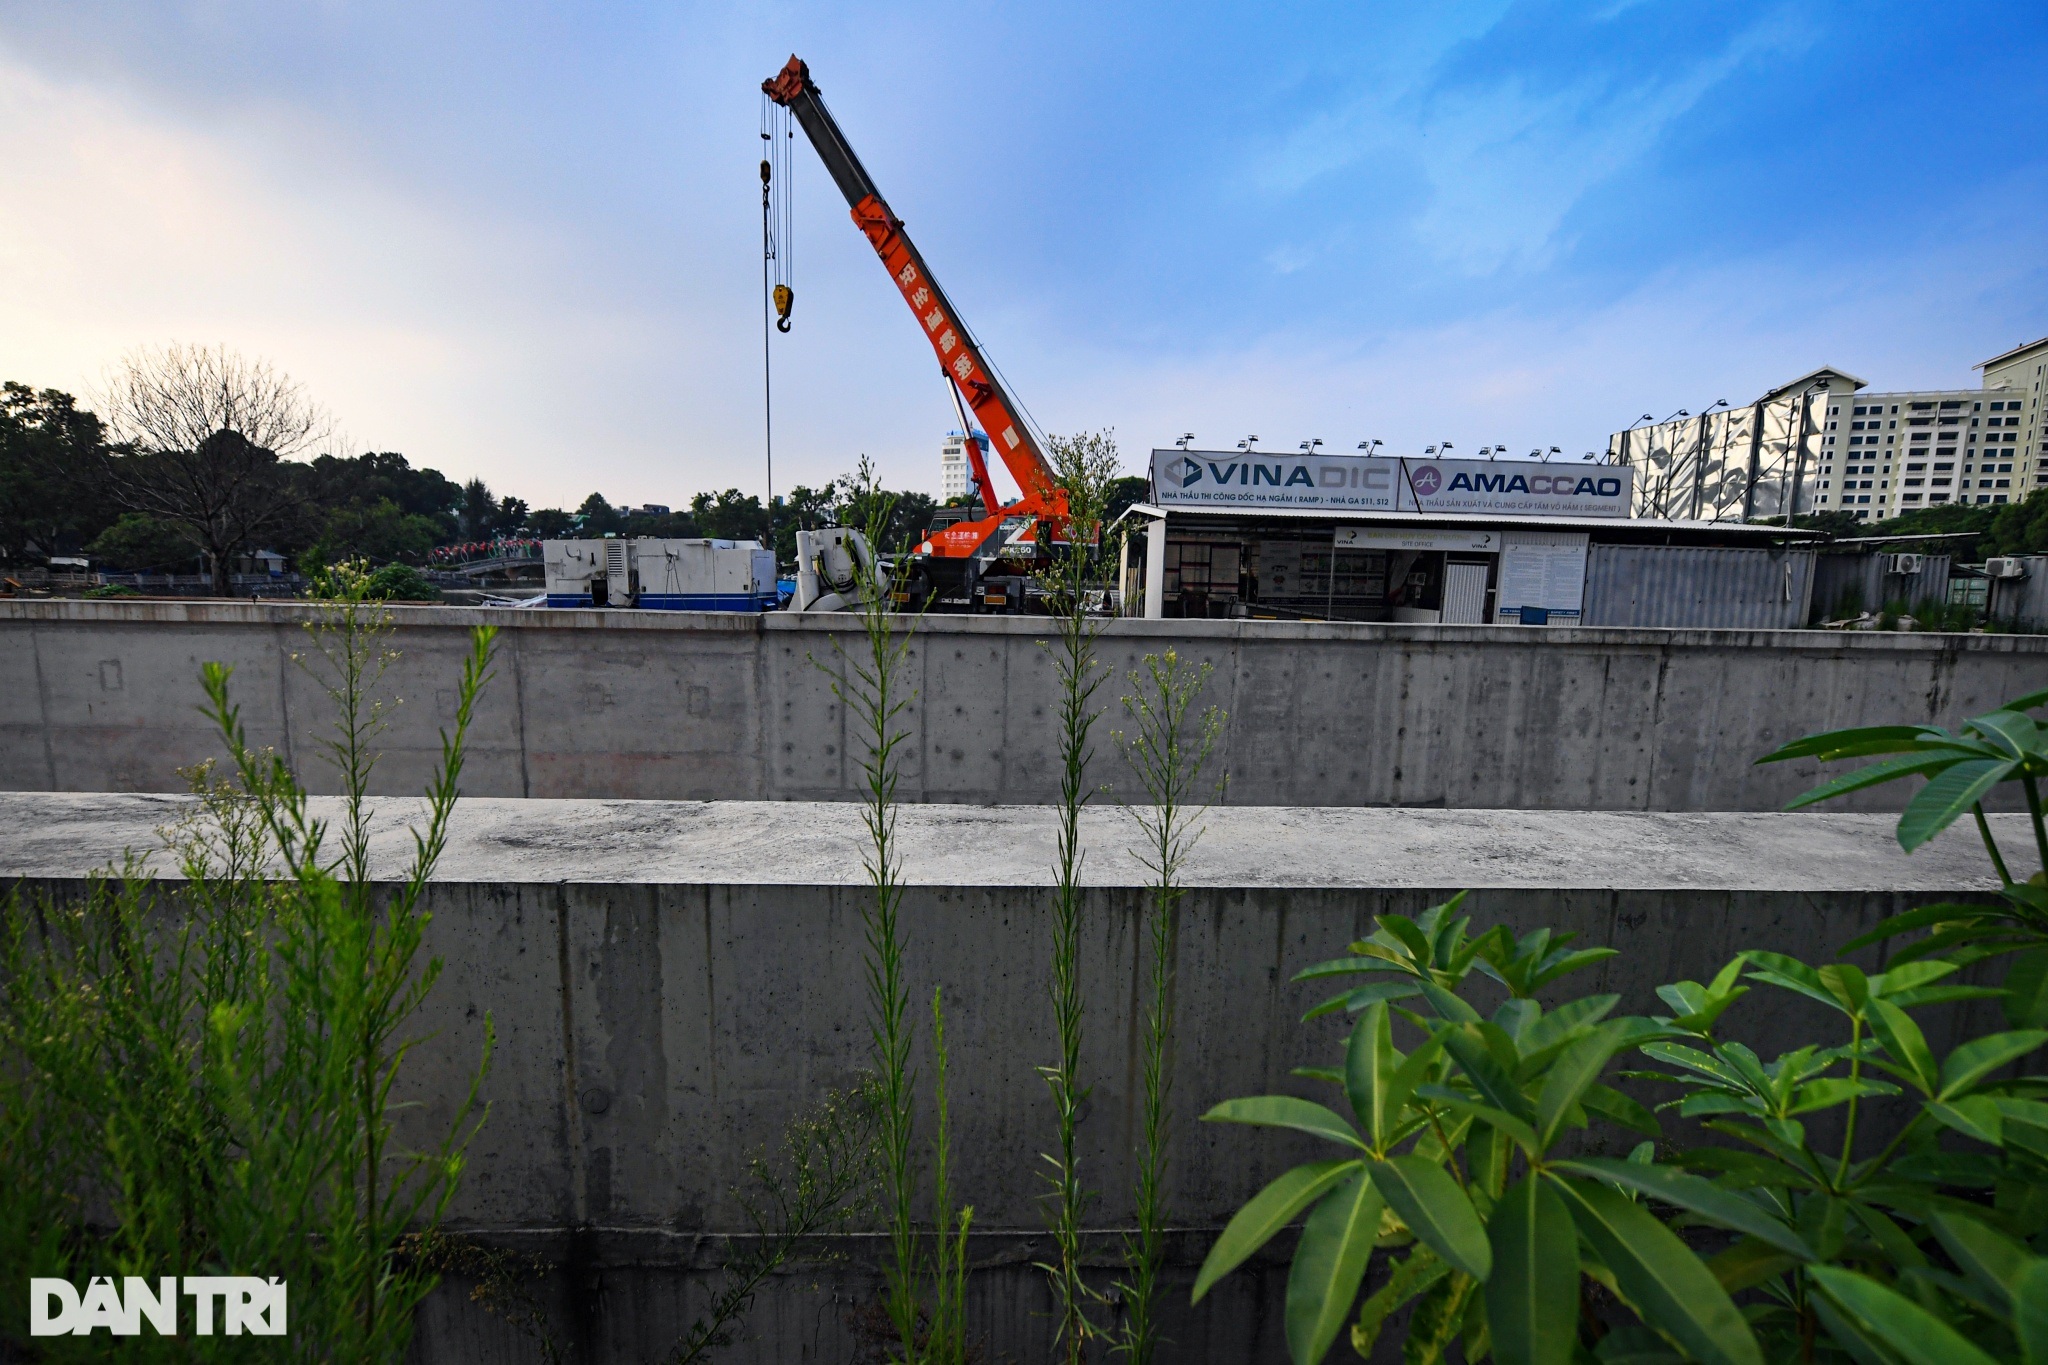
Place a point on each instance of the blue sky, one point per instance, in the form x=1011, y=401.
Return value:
x=522, y=241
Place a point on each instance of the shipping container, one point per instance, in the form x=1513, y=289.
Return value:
x=1697, y=586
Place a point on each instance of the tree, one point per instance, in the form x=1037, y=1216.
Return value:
x=381, y=533
x=730, y=515
x=207, y=427
x=137, y=542
x=225, y=496
x=173, y=398
x=331, y=481
x=600, y=517
x=550, y=523
x=2021, y=528
x=49, y=449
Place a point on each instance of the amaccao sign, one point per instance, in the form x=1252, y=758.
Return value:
x=1190, y=478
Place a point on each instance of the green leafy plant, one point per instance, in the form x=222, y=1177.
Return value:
x=212, y=1062
x=1961, y=769
x=1451, y=1152
x=1085, y=466
x=1830, y=1238
x=876, y=696
x=1168, y=744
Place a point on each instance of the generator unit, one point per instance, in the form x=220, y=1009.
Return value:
x=660, y=575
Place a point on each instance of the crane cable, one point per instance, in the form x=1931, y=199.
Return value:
x=778, y=222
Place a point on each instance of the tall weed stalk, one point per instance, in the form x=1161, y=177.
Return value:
x=872, y=689
x=1167, y=744
x=207, y=1068
x=946, y=1342
x=1086, y=466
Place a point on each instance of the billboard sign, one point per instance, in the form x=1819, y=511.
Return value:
x=1338, y=483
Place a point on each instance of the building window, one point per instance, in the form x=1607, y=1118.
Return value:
x=1914, y=483
x=1937, y=497
x=1915, y=468
x=2004, y=483
x=1909, y=497
x=1999, y=498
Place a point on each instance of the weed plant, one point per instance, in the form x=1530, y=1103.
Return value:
x=823, y=1185
x=196, y=1078
x=1167, y=744
x=875, y=693
x=1086, y=468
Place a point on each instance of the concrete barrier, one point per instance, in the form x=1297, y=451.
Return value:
x=99, y=696
x=672, y=983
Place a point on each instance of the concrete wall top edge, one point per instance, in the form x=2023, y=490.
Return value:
x=220, y=612
x=509, y=842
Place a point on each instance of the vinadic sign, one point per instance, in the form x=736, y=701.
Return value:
x=1195, y=478
x=247, y=1304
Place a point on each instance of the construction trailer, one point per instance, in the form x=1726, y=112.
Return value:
x=1446, y=541
x=2017, y=595
x=1868, y=580
x=660, y=575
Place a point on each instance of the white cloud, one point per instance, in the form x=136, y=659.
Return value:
x=1504, y=164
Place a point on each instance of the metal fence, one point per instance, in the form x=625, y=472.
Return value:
x=1686, y=586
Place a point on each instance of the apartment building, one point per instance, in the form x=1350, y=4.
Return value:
x=1825, y=443
x=953, y=467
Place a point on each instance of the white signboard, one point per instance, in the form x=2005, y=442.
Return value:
x=1417, y=538
x=1198, y=478
x=1544, y=569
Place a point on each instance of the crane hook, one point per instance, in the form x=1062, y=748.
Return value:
x=785, y=298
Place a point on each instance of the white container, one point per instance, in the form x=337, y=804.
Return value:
x=660, y=575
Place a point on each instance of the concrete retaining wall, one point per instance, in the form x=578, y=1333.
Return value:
x=671, y=984
x=99, y=696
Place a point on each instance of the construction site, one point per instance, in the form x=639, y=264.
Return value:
x=699, y=787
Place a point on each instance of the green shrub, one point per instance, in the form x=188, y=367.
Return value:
x=1919, y=1237
x=195, y=1073
x=106, y=590
x=386, y=583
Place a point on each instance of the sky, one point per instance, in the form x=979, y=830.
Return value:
x=522, y=242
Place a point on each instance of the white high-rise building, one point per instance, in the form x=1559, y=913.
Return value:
x=953, y=467
x=1824, y=443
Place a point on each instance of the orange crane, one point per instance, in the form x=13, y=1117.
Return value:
x=1018, y=535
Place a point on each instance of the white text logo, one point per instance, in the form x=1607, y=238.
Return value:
x=232, y=1304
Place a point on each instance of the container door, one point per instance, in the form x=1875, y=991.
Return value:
x=1464, y=594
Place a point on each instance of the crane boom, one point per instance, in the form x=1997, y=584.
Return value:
x=958, y=353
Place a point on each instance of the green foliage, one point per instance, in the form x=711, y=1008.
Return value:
x=1167, y=744
x=872, y=687
x=1916, y=1234
x=353, y=579
x=821, y=1186
x=380, y=532
x=1084, y=465
x=137, y=541
x=2020, y=528
x=196, y=1076
x=50, y=449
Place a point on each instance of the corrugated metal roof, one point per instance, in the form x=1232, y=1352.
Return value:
x=1649, y=524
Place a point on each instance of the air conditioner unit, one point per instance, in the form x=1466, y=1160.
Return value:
x=1903, y=566
x=2005, y=568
